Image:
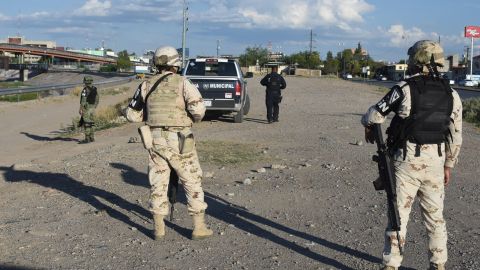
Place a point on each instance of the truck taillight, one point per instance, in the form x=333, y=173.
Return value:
x=238, y=89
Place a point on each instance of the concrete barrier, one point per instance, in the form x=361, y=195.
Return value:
x=308, y=72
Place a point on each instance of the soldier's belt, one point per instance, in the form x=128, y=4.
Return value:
x=161, y=131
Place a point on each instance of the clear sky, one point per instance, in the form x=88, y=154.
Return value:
x=385, y=28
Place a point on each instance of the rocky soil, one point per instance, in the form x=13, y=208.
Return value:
x=302, y=198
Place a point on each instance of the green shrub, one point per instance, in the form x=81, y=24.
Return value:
x=471, y=110
x=108, y=68
x=12, y=84
x=19, y=97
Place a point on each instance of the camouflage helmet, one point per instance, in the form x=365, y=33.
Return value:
x=87, y=80
x=422, y=52
x=167, y=56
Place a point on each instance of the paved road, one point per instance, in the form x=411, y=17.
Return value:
x=464, y=92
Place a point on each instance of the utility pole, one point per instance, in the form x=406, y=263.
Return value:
x=218, y=48
x=471, y=60
x=311, y=48
x=311, y=41
x=184, y=32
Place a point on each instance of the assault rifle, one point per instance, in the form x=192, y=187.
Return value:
x=172, y=191
x=387, y=180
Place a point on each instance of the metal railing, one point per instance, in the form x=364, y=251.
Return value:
x=42, y=88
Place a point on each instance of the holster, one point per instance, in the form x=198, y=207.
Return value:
x=146, y=136
x=186, y=142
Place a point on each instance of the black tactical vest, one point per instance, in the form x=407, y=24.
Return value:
x=92, y=95
x=429, y=120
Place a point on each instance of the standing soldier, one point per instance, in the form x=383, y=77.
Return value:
x=424, y=139
x=88, y=103
x=274, y=83
x=169, y=103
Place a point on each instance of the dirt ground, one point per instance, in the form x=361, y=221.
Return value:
x=71, y=206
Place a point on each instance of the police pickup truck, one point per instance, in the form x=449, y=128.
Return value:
x=222, y=85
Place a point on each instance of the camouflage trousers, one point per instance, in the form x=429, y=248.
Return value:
x=164, y=157
x=88, y=119
x=422, y=176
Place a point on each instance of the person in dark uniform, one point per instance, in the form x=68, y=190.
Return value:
x=274, y=83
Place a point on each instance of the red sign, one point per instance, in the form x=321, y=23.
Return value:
x=472, y=31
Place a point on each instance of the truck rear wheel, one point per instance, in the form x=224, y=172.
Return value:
x=246, y=107
x=238, y=118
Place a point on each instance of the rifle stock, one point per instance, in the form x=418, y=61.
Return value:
x=387, y=180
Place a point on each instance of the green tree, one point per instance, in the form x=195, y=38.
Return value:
x=305, y=60
x=346, y=61
x=332, y=65
x=252, y=54
x=123, y=61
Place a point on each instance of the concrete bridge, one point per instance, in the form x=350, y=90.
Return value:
x=21, y=50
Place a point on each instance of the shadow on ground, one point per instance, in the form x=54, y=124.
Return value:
x=17, y=267
x=47, y=139
x=216, y=116
x=88, y=194
x=230, y=213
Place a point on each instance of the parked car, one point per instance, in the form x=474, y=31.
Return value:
x=347, y=76
x=468, y=83
x=290, y=70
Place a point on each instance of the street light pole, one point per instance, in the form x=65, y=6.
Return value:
x=184, y=32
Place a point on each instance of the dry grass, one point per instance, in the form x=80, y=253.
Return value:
x=108, y=91
x=76, y=91
x=115, y=91
x=105, y=118
x=224, y=152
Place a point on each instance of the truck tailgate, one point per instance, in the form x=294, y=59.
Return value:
x=217, y=92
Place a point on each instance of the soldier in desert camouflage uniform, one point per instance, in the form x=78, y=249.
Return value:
x=424, y=138
x=88, y=103
x=169, y=103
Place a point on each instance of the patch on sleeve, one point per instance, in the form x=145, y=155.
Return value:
x=137, y=102
x=390, y=101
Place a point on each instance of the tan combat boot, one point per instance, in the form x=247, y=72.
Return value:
x=434, y=266
x=200, y=230
x=159, y=226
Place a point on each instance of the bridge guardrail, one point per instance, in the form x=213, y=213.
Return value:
x=41, y=88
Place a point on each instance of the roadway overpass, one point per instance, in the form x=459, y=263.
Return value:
x=21, y=50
